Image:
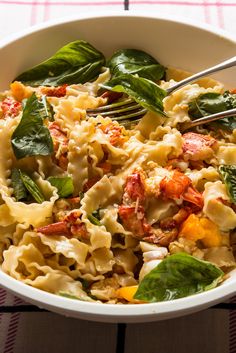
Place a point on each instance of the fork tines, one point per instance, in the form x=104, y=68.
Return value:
x=122, y=110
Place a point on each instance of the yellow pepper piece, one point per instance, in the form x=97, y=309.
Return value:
x=127, y=293
x=20, y=91
x=195, y=228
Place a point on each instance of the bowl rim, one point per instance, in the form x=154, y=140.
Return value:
x=10, y=38
x=119, y=311
x=53, y=301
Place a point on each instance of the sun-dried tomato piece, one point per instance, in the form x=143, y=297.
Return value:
x=58, y=92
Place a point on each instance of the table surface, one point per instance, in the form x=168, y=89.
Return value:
x=25, y=329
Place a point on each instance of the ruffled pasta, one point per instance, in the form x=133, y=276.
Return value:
x=215, y=209
x=124, y=196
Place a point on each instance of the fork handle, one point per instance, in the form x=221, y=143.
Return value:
x=224, y=65
x=208, y=119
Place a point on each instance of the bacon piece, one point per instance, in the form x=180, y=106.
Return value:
x=134, y=220
x=10, y=107
x=114, y=132
x=59, y=91
x=198, y=147
x=134, y=188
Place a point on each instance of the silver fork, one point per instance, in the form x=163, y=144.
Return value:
x=207, y=119
x=128, y=111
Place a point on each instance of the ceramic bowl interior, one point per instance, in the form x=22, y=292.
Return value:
x=174, y=42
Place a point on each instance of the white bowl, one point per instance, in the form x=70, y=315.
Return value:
x=173, y=42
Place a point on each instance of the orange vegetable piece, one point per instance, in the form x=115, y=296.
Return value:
x=201, y=228
x=127, y=293
x=20, y=91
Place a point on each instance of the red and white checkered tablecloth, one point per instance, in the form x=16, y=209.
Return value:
x=17, y=332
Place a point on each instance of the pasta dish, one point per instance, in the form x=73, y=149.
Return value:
x=100, y=209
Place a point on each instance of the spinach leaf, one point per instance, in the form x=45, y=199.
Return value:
x=144, y=91
x=133, y=61
x=31, y=137
x=64, y=185
x=20, y=191
x=211, y=103
x=178, y=276
x=228, y=174
x=76, y=62
x=32, y=187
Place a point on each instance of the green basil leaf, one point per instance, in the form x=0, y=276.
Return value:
x=94, y=220
x=64, y=185
x=133, y=61
x=47, y=108
x=211, y=103
x=31, y=137
x=228, y=174
x=177, y=276
x=205, y=104
x=32, y=187
x=76, y=62
x=145, y=92
x=20, y=191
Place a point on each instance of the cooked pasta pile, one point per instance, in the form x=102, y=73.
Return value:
x=91, y=219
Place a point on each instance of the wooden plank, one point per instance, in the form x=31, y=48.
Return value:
x=48, y=332
x=204, y=332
